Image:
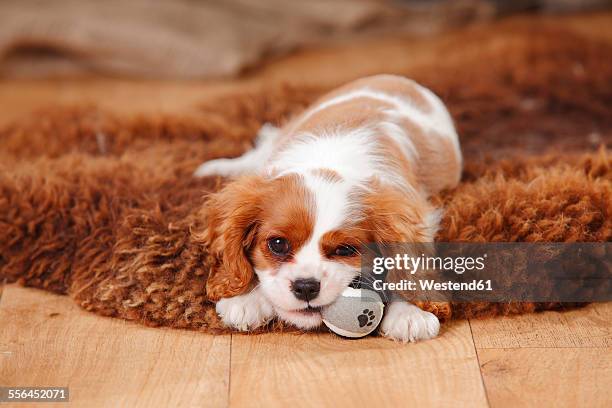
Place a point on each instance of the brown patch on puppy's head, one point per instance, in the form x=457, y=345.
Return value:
x=241, y=218
x=328, y=175
x=288, y=213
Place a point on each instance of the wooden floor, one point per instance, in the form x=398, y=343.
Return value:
x=544, y=360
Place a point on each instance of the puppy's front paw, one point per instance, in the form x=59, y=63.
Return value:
x=406, y=322
x=245, y=312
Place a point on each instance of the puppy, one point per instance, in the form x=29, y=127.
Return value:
x=356, y=167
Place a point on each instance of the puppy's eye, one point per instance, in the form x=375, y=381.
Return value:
x=279, y=246
x=345, y=250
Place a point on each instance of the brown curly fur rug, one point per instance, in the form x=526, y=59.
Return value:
x=103, y=209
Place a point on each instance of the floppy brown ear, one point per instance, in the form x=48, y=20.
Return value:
x=231, y=216
x=400, y=216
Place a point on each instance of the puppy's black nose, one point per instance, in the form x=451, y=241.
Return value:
x=306, y=289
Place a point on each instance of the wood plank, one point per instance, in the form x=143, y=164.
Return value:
x=324, y=370
x=534, y=377
x=46, y=340
x=586, y=327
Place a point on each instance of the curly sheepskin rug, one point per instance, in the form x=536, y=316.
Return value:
x=105, y=209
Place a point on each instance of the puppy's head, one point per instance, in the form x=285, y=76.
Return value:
x=299, y=237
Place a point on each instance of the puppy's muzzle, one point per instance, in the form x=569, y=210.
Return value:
x=306, y=289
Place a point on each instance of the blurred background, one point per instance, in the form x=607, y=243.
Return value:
x=186, y=39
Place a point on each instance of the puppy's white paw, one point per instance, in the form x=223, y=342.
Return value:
x=218, y=167
x=245, y=312
x=405, y=322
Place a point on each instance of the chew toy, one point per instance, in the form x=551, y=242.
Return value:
x=356, y=313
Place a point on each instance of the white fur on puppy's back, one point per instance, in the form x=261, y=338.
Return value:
x=348, y=152
x=349, y=144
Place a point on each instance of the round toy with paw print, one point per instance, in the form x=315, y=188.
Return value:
x=356, y=313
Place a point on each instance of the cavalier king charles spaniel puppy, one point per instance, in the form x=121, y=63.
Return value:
x=357, y=167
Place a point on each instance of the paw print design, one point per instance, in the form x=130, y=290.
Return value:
x=366, y=318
